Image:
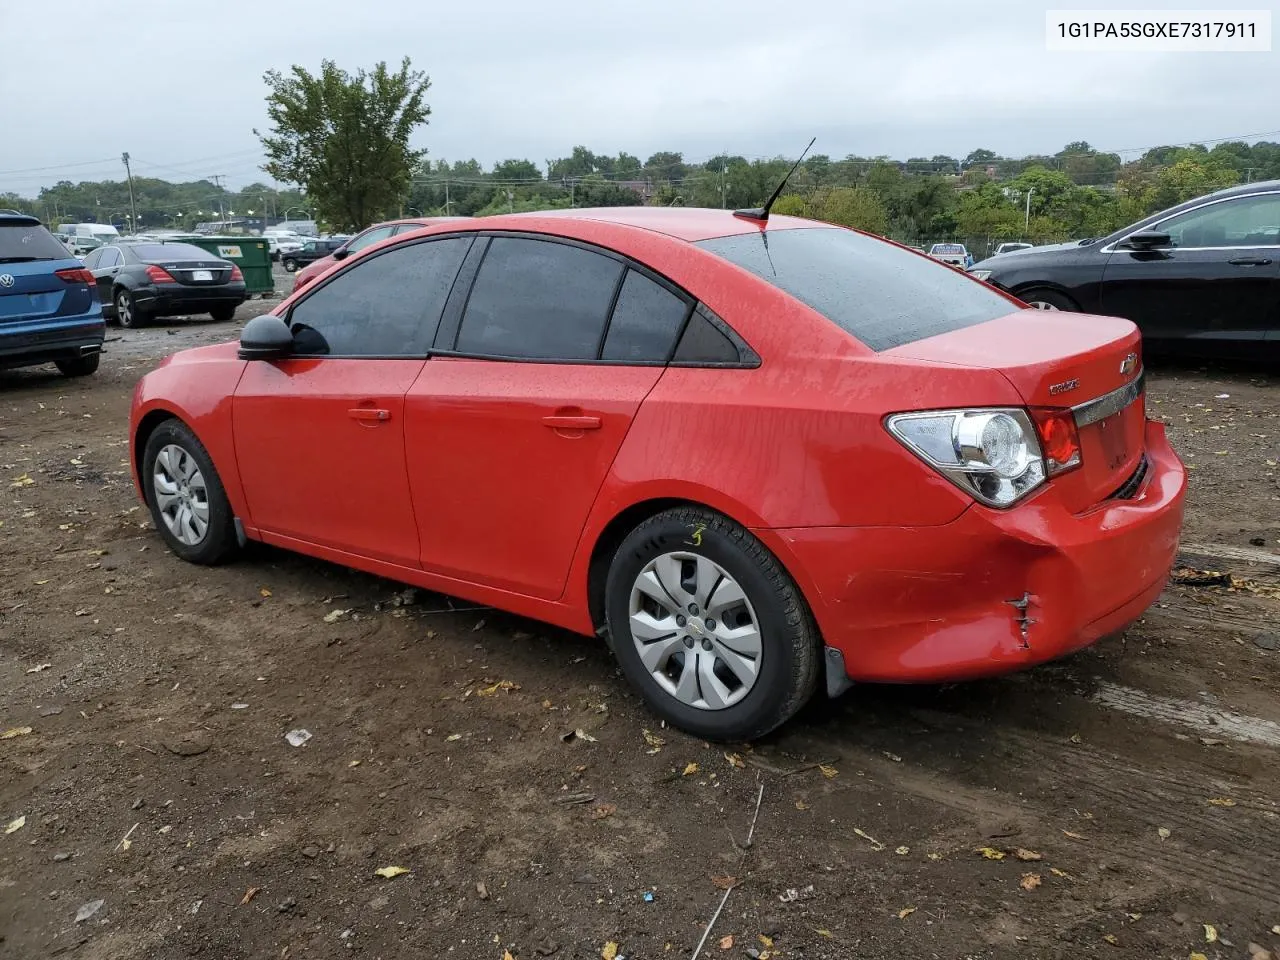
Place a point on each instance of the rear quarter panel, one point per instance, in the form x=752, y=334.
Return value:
x=197, y=387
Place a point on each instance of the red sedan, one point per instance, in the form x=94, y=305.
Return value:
x=757, y=457
x=365, y=238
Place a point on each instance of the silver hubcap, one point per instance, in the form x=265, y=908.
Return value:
x=181, y=496
x=123, y=313
x=695, y=631
x=1041, y=305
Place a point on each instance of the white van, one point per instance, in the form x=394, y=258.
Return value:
x=102, y=232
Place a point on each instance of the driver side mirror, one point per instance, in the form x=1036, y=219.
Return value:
x=340, y=253
x=1147, y=240
x=265, y=338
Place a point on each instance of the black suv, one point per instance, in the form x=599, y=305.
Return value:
x=312, y=251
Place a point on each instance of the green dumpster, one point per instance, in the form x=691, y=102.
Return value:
x=250, y=254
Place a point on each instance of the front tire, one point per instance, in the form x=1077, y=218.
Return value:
x=78, y=366
x=188, y=504
x=709, y=627
x=1041, y=298
x=290, y=265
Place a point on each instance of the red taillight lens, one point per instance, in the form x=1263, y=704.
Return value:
x=1059, y=439
x=75, y=275
x=159, y=274
x=235, y=273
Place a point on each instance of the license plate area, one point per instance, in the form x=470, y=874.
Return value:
x=202, y=276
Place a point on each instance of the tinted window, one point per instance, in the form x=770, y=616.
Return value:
x=538, y=299
x=366, y=239
x=883, y=295
x=91, y=260
x=1246, y=222
x=108, y=257
x=646, y=321
x=407, y=227
x=388, y=305
x=169, y=251
x=29, y=241
x=703, y=342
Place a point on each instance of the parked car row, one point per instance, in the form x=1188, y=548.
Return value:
x=138, y=281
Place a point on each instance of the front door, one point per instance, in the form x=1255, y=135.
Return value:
x=1215, y=280
x=511, y=436
x=320, y=437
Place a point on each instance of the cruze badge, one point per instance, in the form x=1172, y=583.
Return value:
x=1128, y=363
x=1063, y=387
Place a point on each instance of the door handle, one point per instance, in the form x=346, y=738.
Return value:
x=1249, y=262
x=572, y=423
x=369, y=414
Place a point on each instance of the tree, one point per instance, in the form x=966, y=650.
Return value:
x=979, y=156
x=516, y=170
x=345, y=139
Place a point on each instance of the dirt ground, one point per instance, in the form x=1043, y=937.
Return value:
x=1128, y=798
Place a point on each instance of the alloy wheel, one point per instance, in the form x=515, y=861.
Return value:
x=695, y=631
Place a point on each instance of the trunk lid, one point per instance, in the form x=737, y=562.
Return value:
x=196, y=273
x=33, y=291
x=1087, y=363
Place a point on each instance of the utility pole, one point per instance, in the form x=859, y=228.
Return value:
x=133, y=207
x=724, y=173
x=1027, y=225
x=217, y=179
x=446, y=196
x=510, y=202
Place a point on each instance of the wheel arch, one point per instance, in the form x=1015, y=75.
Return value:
x=147, y=425
x=1049, y=285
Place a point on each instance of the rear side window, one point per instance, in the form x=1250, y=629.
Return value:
x=21, y=242
x=646, y=321
x=539, y=300
x=883, y=295
x=386, y=306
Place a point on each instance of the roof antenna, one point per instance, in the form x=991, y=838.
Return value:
x=762, y=213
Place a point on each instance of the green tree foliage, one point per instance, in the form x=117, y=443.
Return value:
x=345, y=139
x=855, y=207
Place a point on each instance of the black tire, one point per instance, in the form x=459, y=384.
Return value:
x=1052, y=299
x=78, y=366
x=791, y=648
x=290, y=264
x=127, y=313
x=219, y=543
x=223, y=314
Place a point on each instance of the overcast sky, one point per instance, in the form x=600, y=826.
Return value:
x=179, y=85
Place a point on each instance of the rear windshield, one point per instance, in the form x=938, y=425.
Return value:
x=21, y=242
x=170, y=251
x=883, y=295
x=947, y=248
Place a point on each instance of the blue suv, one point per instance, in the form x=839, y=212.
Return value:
x=49, y=308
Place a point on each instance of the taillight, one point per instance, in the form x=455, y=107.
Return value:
x=235, y=273
x=992, y=454
x=75, y=275
x=1059, y=438
x=159, y=274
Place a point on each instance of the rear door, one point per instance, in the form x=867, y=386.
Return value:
x=1216, y=280
x=320, y=437
x=514, y=423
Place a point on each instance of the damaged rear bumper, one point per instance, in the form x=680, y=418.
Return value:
x=993, y=590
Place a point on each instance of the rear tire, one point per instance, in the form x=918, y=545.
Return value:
x=1041, y=298
x=709, y=627
x=223, y=314
x=78, y=366
x=127, y=313
x=290, y=265
x=188, y=504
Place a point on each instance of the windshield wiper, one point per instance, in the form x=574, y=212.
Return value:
x=18, y=259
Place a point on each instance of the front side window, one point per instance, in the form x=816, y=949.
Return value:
x=386, y=306
x=368, y=238
x=881, y=294
x=1243, y=222
x=540, y=300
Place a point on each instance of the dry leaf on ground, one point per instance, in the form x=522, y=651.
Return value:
x=390, y=872
x=1210, y=933
x=991, y=853
x=690, y=769
x=906, y=912
x=726, y=942
x=1029, y=881
x=249, y=895
x=609, y=951
x=1027, y=855
x=16, y=825
x=828, y=772
x=604, y=810
x=724, y=882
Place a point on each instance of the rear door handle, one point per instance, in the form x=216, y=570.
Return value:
x=572, y=423
x=367, y=414
x=1249, y=262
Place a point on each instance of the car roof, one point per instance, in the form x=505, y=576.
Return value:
x=23, y=219
x=684, y=223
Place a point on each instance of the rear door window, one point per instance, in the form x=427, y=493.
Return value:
x=882, y=295
x=388, y=305
x=539, y=300
x=22, y=242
